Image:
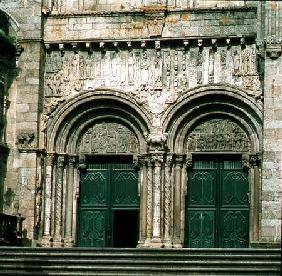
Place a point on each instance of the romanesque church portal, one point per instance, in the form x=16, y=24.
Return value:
x=142, y=123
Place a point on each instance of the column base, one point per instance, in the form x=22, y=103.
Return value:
x=46, y=241
x=68, y=242
x=177, y=245
x=156, y=243
x=167, y=244
x=58, y=242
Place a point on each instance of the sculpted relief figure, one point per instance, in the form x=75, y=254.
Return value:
x=143, y=72
x=218, y=134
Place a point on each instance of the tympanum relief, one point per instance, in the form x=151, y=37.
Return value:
x=154, y=77
x=108, y=137
x=218, y=135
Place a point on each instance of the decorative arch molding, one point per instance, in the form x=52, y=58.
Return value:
x=14, y=25
x=216, y=101
x=70, y=119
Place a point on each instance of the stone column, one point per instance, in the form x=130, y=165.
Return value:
x=58, y=207
x=177, y=201
x=69, y=199
x=168, y=201
x=149, y=203
x=157, y=191
x=255, y=196
x=143, y=172
x=49, y=168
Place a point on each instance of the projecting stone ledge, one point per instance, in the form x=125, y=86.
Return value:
x=136, y=25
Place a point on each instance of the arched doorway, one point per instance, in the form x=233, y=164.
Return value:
x=217, y=202
x=214, y=133
x=108, y=205
x=91, y=187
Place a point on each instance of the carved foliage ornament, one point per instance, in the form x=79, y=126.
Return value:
x=108, y=138
x=25, y=139
x=218, y=135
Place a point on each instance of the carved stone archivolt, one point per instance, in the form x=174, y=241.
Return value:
x=108, y=137
x=218, y=135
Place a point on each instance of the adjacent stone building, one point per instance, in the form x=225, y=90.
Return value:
x=142, y=123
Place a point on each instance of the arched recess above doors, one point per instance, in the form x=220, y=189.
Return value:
x=76, y=115
x=213, y=102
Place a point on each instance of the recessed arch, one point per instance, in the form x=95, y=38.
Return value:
x=68, y=121
x=13, y=25
x=201, y=103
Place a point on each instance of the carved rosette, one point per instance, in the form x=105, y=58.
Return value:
x=218, y=135
x=108, y=137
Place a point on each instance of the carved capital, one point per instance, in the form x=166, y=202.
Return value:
x=273, y=51
x=169, y=160
x=61, y=160
x=157, y=160
x=157, y=140
x=50, y=158
x=72, y=160
x=189, y=161
x=246, y=164
x=179, y=159
x=82, y=162
x=255, y=159
x=273, y=47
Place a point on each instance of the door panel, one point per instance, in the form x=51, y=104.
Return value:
x=234, y=228
x=92, y=228
x=107, y=186
x=217, y=203
x=94, y=188
x=202, y=188
x=125, y=190
x=202, y=228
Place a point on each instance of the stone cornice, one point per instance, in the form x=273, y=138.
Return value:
x=184, y=41
x=148, y=10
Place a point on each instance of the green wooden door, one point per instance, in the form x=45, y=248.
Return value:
x=108, y=200
x=217, y=203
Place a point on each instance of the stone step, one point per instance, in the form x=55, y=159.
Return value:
x=85, y=261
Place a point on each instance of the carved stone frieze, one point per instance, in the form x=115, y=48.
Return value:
x=154, y=77
x=218, y=135
x=108, y=137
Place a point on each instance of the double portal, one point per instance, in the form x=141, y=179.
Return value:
x=217, y=203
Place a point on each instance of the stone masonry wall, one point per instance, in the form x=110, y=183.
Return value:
x=272, y=153
x=22, y=115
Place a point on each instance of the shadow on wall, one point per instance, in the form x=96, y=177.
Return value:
x=25, y=240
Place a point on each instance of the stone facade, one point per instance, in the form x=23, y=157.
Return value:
x=160, y=80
